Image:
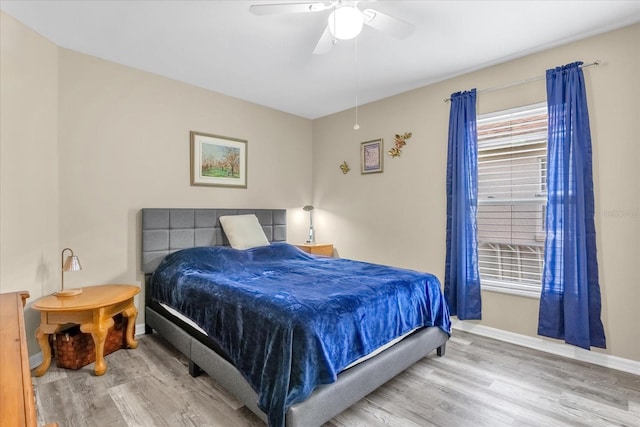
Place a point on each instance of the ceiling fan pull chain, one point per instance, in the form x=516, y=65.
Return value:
x=356, y=126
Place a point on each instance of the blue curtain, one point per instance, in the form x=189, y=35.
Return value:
x=570, y=301
x=462, y=278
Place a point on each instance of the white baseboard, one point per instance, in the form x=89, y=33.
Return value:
x=36, y=359
x=139, y=329
x=572, y=352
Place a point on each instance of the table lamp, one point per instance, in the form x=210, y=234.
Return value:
x=312, y=237
x=72, y=263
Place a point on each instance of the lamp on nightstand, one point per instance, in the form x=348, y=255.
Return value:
x=72, y=263
x=312, y=237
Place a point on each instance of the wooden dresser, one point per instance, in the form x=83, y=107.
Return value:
x=17, y=401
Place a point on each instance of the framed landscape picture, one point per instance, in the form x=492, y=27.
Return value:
x=371, y=156
x=218, y=161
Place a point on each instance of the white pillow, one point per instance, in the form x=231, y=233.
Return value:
x=243, y=231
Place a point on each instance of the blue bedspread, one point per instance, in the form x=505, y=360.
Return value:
x=291, y=321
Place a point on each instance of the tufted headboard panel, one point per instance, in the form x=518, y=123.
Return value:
x=168, y=230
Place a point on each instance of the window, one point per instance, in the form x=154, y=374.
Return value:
x=512, y=155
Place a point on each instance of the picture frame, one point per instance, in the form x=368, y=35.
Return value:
x=218, y=161
x=371, y=157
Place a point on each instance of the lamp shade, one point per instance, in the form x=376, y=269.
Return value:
x=72, y=263
x=307, y=208
x=346, y=22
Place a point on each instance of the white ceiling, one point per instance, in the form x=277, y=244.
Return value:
x=268, y=60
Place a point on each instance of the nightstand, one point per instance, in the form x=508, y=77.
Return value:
x=325, y=249
x=93, y=310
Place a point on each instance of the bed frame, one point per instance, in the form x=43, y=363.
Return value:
x=168, y=230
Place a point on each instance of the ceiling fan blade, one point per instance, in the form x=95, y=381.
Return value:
x=275, y=8
x=325, y=43
x=387, y=24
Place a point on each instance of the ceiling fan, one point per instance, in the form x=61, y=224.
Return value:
x=344, y=22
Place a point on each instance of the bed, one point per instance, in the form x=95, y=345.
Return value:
x=287, y=375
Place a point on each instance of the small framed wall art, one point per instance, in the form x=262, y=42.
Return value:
x=371, y=156
x=218, y=161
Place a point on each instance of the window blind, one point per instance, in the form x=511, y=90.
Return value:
x=512, y=155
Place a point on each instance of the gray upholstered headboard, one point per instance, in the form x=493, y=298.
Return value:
x=168, y=230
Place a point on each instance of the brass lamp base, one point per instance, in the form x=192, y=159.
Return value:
x=68, y=292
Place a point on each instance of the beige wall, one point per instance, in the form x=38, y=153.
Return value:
x=29, y=249
x=124, y=145
x=87, y=143
x=398, y=217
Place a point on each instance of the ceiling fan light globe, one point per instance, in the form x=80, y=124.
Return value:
x=345, y=23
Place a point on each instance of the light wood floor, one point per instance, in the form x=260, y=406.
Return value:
x=479, y=382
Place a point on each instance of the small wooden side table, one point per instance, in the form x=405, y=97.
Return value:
x=93, y=310
x=325, y=249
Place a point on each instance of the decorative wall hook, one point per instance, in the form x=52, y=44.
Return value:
x=399, y=141
x=345, y=168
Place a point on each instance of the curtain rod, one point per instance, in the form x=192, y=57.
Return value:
x=522, y=82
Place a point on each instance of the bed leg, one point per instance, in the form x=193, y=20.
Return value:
x=148, y=330
x=440, y=350
x=194, y=370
